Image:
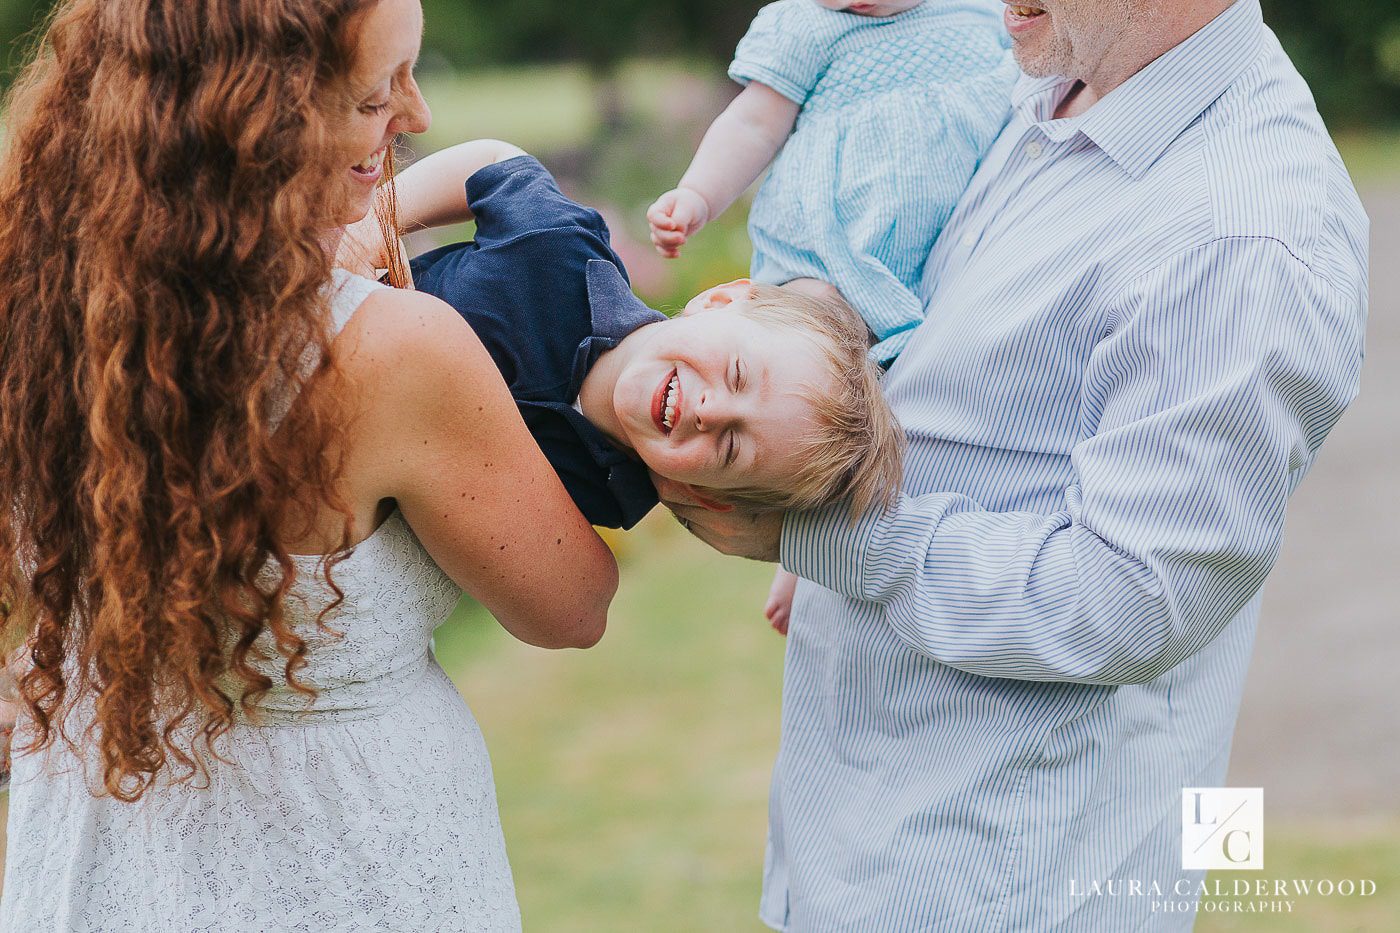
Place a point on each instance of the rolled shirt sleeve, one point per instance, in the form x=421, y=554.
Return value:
x=1218, y=376
x=519, y=196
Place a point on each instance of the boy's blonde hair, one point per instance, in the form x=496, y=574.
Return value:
x=857, y=452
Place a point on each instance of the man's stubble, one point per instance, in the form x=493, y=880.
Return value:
x=1081, y=34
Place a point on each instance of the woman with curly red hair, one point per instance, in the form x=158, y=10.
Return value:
x=241, y=488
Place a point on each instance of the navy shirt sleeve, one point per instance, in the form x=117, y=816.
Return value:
x=521, y=283
x=519, y=196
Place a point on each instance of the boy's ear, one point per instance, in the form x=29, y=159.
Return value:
x=706, y=502
x=720, y=295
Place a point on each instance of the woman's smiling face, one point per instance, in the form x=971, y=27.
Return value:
x=720, y=400
x=384, y=100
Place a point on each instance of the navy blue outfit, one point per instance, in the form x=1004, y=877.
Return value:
x=546, y=294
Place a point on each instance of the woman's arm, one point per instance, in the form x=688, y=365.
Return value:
x=736, y=149
x=439, y=432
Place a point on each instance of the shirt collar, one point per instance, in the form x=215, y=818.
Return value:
x=616, y=312
x=1136, y=122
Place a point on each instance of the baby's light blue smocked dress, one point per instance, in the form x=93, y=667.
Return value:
x=896, y=113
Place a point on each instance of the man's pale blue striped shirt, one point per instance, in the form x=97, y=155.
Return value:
x=1142, y=322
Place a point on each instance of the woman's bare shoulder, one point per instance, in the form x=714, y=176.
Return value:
x=407, y=353
x=396, y=326
x=410, y=367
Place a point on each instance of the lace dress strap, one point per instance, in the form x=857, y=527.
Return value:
x=348, y=292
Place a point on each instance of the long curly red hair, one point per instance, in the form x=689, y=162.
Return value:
x=163, y=197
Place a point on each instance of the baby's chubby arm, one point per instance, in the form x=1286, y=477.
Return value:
x=738, y=146
x=430, y=193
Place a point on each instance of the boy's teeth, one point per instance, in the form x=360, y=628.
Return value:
x=669, y=416
x=1026, y=10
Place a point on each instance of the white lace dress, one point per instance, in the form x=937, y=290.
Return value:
x=372, y=808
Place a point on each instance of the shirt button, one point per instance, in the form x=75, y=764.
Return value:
x=1034, y=148
x=969, y=239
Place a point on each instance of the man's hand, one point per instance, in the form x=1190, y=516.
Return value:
x=676, y=217
x=816, y=288
x=738, y=532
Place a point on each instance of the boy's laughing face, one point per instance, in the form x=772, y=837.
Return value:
x=718, y=400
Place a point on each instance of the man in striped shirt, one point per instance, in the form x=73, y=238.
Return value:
x=1143, y=319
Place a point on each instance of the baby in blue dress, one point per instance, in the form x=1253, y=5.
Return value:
x=878, y=113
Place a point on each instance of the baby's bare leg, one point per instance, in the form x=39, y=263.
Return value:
x=778, y=609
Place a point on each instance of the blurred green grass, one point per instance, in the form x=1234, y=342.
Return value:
x=540, y=109
x=1335, y=850
x=633, y=777
x=1373, y=158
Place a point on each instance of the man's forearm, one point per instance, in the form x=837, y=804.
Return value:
x=1013, y=595
x=1208, y=401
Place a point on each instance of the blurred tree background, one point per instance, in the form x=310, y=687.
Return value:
x=1349, y=50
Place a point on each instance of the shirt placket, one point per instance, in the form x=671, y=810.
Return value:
x=1007, y=175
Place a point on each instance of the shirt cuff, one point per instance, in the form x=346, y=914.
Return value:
x=829, y=548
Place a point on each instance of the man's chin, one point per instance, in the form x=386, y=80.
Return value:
x=1038, y=62
x=1031, y=66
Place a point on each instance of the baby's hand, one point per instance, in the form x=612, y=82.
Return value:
x=675, y=217
x=779, y=605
